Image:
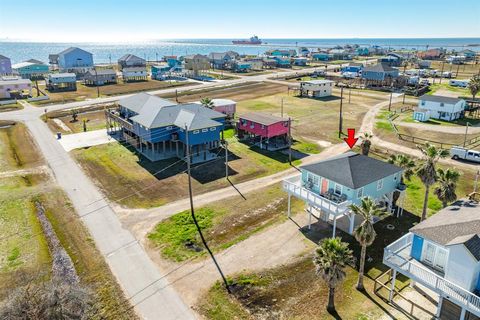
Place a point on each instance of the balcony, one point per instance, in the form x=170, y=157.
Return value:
x=113, y=115
x=397, y=256
x=333, y=206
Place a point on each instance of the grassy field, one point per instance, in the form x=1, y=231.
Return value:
x=90, y=92
x=314, y=120
x=224, y=223
x=447, y=90
x=293, y=291
x=10, y=107
x=24, y=255
x=465, y=71
x=95, y=120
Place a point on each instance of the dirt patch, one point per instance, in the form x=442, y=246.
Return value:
x=17, y=149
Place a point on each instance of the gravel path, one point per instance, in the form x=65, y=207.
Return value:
x=439, y=128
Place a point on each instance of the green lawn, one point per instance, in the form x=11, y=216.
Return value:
x=224, y=223
x=462, y=92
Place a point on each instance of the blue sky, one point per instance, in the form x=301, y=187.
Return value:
x=122, y=20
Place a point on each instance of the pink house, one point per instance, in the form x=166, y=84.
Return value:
x=225, y=106
x=268, y=131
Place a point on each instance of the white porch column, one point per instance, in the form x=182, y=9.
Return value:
x=439, y=306
x=351, y=216
x=334, y=226
x=462, y=315
x=390, y=198
x=309, y=217
x=392, y=287
x=289, y=199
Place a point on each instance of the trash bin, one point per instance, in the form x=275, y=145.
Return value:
x=59, y=135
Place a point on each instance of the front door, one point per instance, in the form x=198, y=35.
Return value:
x=324, y=185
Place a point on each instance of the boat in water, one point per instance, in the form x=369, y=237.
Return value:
x=253, y=40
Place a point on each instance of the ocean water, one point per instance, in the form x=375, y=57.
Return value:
x=154, y=50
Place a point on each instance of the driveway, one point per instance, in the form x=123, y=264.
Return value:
x=85, y=139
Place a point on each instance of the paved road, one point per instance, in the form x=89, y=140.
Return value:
x=138, y=276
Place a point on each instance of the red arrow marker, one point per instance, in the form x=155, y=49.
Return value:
x=351, y=140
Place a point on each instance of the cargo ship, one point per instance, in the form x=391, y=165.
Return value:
x=253, y=40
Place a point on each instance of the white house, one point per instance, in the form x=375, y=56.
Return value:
x=439, y=107
x=316, y=88
x=134, y=74
x=12, y=86
x=442, y=253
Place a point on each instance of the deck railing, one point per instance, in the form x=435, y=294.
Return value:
x=294, y=186
x=420, y=273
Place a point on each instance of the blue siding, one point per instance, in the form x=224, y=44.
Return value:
x=75, y=58
x=478, y=283
x=417, y=246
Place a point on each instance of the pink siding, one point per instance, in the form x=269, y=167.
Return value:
x=272, y=130
x=227, y=109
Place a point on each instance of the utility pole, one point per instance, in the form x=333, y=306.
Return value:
x=466, y=133
x=282, y=108
x=349, y=95
x=193, y=214
x=458, y=68
x=290, y=141
x=403, y=101
x=441, y=72
x=176, y=95
x=390, y=102
x=476, y=182
x=340, y=122
x=96, y=82
x=226, y=158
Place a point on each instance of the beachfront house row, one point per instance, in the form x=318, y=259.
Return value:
x=468, y=54
x=300, y=61
x=329, y=186
x=442, y=253
x=316, y=88
x=439, y=107
x=100, y=77
x=11, y=87
x=288, y=53
x=134, y=74
x=321, y=56
x=392, y=59
x=5, y=66
x=61, y=82
x=282, y=62
x=131, y=60
x=430, y=54
x=158, y=128
x=160, y=71
x=256, y=63
x=31, y=69
x=241, y=66
x=264, y=130
x=75, y=60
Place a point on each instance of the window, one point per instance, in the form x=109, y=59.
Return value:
x=338, y=189
x=313, y=179
x=360, y=193
x=442, y=104
x=213, y=129
x=196, y=131
x=205, y=130
x=285, y=124
x=169, y=128
x=423, y=103
x=263, y=126
x=244, y=122
x=252, y=125
x=380, y=184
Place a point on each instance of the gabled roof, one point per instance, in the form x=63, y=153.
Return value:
x=30, y=62
x=155, y=112
x=456, y=224
x=134, y=69
x=318, y=81
x=352, y=170
x=439, y=99
x=71, y=49
x=35, y=61
x=128, y=57
x=138, y=101
x=218, y=55
x=379, y=67
x=3, y=57
x=262, y=118
x=102, y=72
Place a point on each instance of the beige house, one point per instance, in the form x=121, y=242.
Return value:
x=196, y=63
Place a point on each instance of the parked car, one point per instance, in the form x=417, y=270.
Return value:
x=319, y=73
x=447, y=74
x=465, y=154
x=425, y=82
x=458, y=83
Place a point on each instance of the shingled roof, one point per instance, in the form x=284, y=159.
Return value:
x=439, y=99
x=456, y=224
x=352, y=170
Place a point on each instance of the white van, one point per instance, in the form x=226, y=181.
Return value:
x=465, y=154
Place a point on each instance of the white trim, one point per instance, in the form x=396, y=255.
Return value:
x=437, y=248
x=379, y=184
x=335, y=188
x=360, y=196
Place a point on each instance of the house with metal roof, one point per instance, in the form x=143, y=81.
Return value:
x=442, y=253
x=134, y=74
x=329, y=186
x=100, y=77
x=379, y=72
x=131, y=60
x=316, y=88
x=220, y=60
x=61, y=82
x=158, y=128
x=11, y=87
x=439, y=107
x=75, y=60
x=31, y=69
x=5, y=65
x=225, y=106
x=264, y=130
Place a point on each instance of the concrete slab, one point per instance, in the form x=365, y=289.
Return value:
x=85, y=139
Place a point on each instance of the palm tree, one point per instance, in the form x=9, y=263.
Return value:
x=207, y=102
x=427, y=172
x=474, y=85
x=447, y=180
x=365, y=233
x=331, y=258
x=404, y=162
x=366, y=143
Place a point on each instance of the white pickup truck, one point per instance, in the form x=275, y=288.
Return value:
x=465, y=154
